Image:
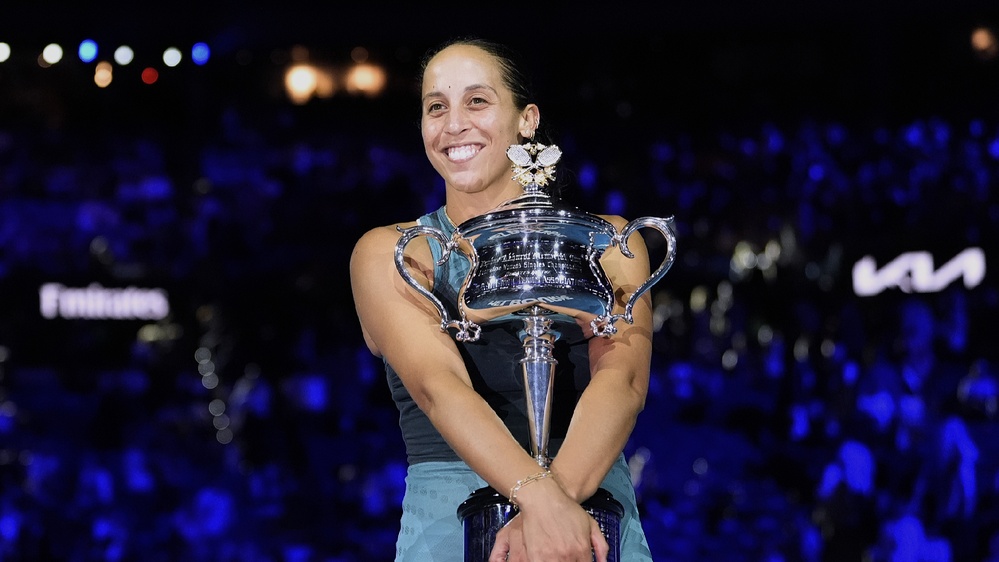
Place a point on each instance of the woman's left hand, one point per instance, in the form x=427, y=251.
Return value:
x=508, y=539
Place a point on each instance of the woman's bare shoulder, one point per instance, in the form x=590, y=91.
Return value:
x=381, y=236
x=616, y=220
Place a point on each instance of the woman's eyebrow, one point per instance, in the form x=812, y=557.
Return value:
x=470, y=87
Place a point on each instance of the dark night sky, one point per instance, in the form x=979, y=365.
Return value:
x=721, y=59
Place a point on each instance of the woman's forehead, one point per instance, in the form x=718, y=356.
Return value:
x=462, y=63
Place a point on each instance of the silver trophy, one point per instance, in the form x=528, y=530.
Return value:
x=535, y=263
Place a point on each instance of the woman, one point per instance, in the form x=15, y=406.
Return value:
x=458, y=402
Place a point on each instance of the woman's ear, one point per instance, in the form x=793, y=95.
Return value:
x=530, y=118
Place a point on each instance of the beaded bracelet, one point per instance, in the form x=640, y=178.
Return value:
x=524, y=482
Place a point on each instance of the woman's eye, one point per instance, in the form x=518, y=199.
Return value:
x=434, y=107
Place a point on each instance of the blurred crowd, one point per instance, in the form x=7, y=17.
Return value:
x=788, y=419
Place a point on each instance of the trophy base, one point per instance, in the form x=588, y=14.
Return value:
x=486, y=511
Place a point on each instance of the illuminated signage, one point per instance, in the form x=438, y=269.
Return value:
x=95, y=302
x=913, y=272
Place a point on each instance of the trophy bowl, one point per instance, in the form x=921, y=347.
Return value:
x=529, y=251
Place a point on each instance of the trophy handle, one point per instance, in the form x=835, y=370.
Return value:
x=466, y=329
x=604, y=325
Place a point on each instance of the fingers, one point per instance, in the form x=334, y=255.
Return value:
x=600, y=547
x=510, y=545
x=501, y=548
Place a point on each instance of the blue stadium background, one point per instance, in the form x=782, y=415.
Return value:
x=789, y=417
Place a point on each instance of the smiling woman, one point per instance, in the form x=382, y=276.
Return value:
x=462, y=404
x=470, y=118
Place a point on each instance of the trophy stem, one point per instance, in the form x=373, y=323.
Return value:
x=538, y=367
x=486, y=511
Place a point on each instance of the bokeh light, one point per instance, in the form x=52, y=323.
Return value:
x=52, y=53
x=300, y=82
x=87, y=50
x=103, y=74
x=4, y=52
x=172, y=57
x=367, y=79
x=984, y=43
x=150, y=75
x=123, y=55
x=200, y=53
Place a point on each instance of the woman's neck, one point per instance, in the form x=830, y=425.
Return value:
x=463, y=206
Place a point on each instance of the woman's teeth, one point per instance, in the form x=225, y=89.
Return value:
x=461, y=153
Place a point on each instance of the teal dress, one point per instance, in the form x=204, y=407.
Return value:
x=437, y=481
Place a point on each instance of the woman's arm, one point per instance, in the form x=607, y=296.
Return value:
x=404, y=328
x=619, y=379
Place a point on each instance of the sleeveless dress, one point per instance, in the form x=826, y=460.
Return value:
x=437, y=481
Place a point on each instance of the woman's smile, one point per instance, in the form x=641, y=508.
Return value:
x=462, y=153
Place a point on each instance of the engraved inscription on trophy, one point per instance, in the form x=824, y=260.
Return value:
x=540, y=267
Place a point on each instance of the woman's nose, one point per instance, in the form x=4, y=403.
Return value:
x=457, y=121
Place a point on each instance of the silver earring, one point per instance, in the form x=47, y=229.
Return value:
x=533, y=163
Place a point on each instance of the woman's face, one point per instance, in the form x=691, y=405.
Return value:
x=469, y=119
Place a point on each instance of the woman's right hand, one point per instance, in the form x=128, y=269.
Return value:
x=549, y=528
